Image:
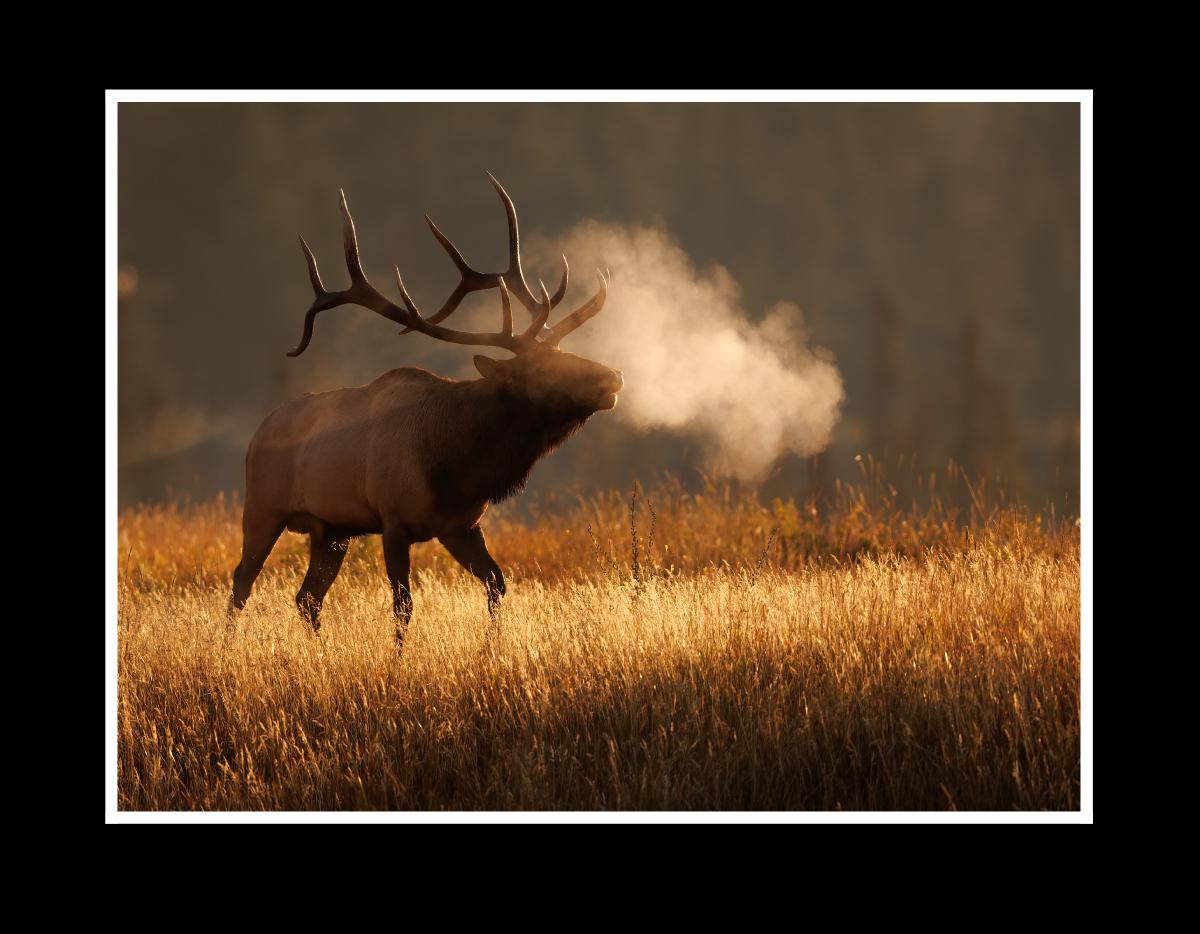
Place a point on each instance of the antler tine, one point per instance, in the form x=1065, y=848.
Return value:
x=562, y=288
x=361, y=292
x=539, y=320
x=408, y=302
x=317, y=306
x=314, y=274
x=450, y=248
x=515, y=274
x=350, y=245
x=474, y=281
x=503, y=338
x=507, y=319
x=576, y=318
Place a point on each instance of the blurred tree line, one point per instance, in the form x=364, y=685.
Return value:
x=934, y=249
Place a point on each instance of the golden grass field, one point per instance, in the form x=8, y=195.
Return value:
x=716, y=655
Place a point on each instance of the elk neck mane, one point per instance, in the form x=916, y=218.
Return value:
x=484, y=439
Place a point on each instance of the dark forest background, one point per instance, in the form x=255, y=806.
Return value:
x=934, y=249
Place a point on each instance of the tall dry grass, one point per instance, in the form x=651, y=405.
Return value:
x=571, y=536
x=862, y=656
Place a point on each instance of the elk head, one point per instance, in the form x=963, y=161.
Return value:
x=537, y=371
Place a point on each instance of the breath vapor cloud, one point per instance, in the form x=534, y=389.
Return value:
x=693, y=362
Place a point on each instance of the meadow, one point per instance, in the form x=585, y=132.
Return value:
x=658, y=649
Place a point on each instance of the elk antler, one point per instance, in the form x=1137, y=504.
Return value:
x=576, y=318
x=514, y=276
x=362, y=293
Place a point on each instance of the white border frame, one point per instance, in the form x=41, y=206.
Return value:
x=112, y=815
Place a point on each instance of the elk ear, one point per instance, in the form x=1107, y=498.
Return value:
x=487, y=367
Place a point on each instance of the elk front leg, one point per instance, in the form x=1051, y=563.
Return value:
x=396, y=545
x=469, y=549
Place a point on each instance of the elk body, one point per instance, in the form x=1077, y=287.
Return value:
x=414, y=456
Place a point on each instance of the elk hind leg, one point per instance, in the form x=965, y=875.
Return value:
x=469, y=549
x=259, y=535
x=326, y=552
x=396, y=545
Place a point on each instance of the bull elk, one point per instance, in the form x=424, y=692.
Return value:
x=413, y=455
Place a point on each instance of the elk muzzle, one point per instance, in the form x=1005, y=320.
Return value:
x=615, y=383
